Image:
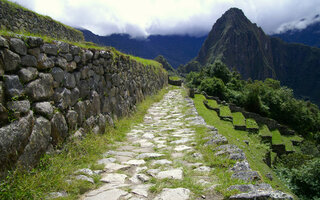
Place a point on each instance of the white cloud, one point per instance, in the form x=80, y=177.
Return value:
x=145, y=17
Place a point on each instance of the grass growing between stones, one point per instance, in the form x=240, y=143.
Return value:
x=188, y=181
x=254, y=152
x=52, y=173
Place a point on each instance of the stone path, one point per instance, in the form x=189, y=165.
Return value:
x=157, y=150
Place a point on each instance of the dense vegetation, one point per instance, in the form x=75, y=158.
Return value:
x=165, y=64
x=268, y=98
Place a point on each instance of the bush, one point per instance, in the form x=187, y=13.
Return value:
x=306, y=180
x=213, y=87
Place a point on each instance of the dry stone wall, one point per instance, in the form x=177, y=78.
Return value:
x=52, y=91
x=16, y=18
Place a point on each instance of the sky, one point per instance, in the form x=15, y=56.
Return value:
x=141, y=18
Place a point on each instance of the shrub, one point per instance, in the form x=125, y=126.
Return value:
x=213, y=87
x=306, y=179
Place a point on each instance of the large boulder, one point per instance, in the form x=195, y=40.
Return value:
x=3, y=42
x=63, y=47
x=29, y=61
x=44, y=62
x=21, y=107
x=96, y=103
x=80, y=108
x=59, y=128
x=44, y=108
x=13, y=139
x=50, y=49
x=69, y=80
x=18, y=46
x=13, y=85
x=28, y=74
x=38, y=143
x=11, y=60
x=34, y=42
x=72, y=117
x=40, y=89
x=58, y=74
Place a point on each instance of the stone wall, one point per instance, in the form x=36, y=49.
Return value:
x=271, y=123
x=52, y=91
x=16, y=18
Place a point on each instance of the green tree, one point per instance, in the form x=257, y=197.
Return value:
x=213, y=87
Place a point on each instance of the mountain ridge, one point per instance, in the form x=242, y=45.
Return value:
x=244, y=46
x=176, y=49
x=308, y=36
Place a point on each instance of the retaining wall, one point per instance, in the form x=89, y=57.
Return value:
x=16, y=18
x=48, y=91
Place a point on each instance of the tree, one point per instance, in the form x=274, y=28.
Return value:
x=213, y=87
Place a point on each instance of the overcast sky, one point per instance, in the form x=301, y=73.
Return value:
x=192, y=17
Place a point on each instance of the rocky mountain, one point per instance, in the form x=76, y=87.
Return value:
x=243, y=45
x=309, y=35
x=177, y=49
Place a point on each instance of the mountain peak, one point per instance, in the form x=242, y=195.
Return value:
x=234, y=12
x=229, y=37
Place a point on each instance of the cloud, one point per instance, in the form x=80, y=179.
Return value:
x=193, y=17
x=298, y=24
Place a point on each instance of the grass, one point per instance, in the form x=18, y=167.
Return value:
x=264, y=131
x=213, y=103
x=288, y=143
x=146, y=61
x=295, y=138
x=238, y=119
x=251, y=123
x=53, y=171
x=175, y=78
x=225, y=111
x=255, y=151
x=276, y=137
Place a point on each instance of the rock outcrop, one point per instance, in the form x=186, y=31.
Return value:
x=49, y=90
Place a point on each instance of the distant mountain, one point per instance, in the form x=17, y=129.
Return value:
x=175, y=48
x=243, y=45
x=309, y=36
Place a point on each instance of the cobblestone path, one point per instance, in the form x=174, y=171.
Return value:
x=158, y=160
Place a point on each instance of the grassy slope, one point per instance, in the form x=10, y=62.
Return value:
x=225, y=111
x=54, y=170
x=255, y=151
x=264, y=131
x=276, y=137
x=251, y=123
x=238, y=119
x=175, y=78
x=213, y=103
